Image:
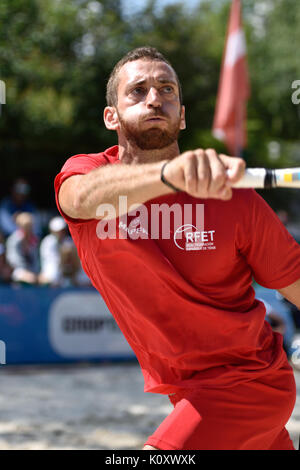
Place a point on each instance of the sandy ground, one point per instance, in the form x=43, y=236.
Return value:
x=84, y=407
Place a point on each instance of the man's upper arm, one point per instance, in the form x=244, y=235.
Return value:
x=68, y=183
x=292, y=293
x=67, y=196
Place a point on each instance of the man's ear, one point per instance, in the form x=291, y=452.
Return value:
x=182, y=118
x=111, y=118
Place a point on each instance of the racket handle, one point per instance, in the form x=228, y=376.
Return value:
x=257, y=178
x=269, y=178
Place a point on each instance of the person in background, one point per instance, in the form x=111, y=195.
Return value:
x=71, y=269
x=5, y=268
x=50, y=252
x=295, y=232
x=16, y=203
x=60, y=264
x=22, y=250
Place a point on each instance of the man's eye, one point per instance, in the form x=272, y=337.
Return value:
x=168, y=89
x=138, y=90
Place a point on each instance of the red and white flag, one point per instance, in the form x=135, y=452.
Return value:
x=234, y=90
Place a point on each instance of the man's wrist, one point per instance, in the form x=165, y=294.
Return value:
x=165, y=181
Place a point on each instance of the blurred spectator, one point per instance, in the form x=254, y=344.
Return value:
x=50, y=252
x=295, y=232
x=278, y=315
x=5, y=268
x=72, y=272
x=16, y=203
x=274, y=318
x=22, y=250
x=60, y=265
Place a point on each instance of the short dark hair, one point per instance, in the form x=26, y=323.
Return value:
x=147, y=53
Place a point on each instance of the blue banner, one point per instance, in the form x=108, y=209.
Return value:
x=49, y=325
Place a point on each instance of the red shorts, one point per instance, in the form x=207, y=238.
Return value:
x=249, y=416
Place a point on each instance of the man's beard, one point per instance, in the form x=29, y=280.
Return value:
x=150, y=139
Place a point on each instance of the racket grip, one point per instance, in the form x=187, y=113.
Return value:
x=255, y=178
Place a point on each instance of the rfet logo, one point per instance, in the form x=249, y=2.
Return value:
x=187, y=237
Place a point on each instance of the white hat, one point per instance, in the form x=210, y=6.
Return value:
x=57, y=224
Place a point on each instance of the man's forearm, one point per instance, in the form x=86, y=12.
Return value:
x=202, y=174
x=292, y=293
x=105, y=185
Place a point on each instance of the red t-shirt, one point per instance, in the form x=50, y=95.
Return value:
x=185, y=303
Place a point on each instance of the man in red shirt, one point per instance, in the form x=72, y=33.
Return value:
x=173, y=249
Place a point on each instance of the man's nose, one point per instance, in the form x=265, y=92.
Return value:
x=153, y=98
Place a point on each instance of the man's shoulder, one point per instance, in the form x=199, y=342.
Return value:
x=246, y=198
x=109, y=155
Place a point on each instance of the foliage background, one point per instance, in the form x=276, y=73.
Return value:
x=56, y=56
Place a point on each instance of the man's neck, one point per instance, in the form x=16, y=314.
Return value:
x=131, y=154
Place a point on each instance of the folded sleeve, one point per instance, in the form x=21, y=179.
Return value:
x=76, y=165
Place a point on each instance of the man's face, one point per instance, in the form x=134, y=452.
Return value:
x=149, y=111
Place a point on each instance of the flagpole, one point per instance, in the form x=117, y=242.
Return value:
x=239, y=131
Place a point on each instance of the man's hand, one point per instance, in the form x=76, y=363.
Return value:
x=204, y=173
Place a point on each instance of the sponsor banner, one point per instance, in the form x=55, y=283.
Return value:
x=48, y=325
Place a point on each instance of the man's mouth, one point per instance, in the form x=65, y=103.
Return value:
x=155, y=119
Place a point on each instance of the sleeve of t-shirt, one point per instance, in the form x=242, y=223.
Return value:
x=76, y=165
x=270, y=250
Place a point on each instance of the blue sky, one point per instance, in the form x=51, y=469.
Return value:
x=135, y=5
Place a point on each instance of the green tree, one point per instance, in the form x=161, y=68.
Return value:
x=55, y=58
